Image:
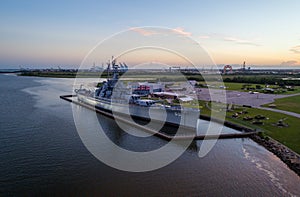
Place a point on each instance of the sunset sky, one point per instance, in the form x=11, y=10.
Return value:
x=61, y=33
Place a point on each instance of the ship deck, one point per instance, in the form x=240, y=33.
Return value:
x=164, y=136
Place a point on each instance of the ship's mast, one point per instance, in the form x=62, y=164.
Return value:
x=108, y=68
x=115, y=69
x=111, y=64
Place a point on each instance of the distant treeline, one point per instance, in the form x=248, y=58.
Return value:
x=62, y=74
x=272, y=80
x=48, y=74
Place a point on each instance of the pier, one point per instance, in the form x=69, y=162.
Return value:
x=246, y=133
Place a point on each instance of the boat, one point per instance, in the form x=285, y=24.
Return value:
x=115, y=97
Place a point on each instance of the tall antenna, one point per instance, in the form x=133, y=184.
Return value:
x=108, y=68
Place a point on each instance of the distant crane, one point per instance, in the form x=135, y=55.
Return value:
x=21, y=68
x=125, y=65
x=174, y=67
x=244, y=66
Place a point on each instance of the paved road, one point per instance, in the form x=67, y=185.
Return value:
x=244, y=98
x=280, y=111
x=236, y=97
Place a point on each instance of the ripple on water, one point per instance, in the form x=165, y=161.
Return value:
x=41, y=152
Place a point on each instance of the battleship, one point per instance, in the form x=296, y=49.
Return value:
x=115, y=97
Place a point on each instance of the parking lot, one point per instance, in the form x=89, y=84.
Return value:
x=236, y=97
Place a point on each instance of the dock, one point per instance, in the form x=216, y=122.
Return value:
x=159, y=134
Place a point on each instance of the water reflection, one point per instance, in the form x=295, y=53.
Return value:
x=41, y=153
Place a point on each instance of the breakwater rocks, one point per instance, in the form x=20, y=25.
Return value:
x=289, y=157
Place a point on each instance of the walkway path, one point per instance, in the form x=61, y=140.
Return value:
x=283, y=111
x=280, y=111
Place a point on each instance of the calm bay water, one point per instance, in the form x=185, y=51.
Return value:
x=42, y=153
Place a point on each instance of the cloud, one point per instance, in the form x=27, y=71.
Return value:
x=146, y=32
x=204, y=37
x=289, y=63
x=296, y=49
x=232, y=39
x=240, y=41
x=180, y=30
x=143, y=32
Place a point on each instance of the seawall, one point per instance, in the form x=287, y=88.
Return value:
x=288, y=156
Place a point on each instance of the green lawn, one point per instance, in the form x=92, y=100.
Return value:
x=288, y=104
x=237, y=86
x=289, y=136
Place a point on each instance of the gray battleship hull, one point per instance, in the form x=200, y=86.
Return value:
x=185, y=118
